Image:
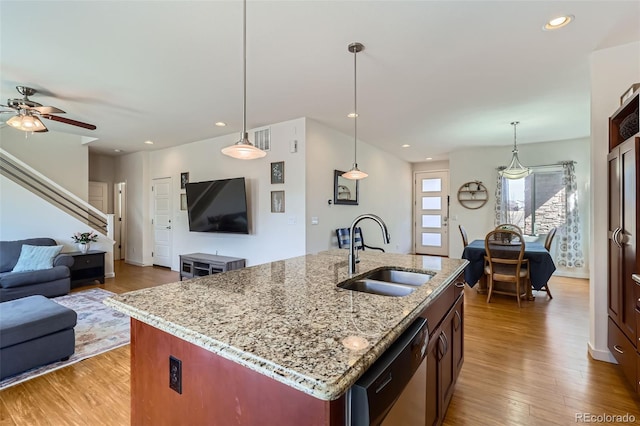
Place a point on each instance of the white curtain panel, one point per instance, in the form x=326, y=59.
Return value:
x=570, y=245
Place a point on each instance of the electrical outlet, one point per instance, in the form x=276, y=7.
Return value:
x=175, y=374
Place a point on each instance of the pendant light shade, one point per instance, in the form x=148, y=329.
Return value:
x=244, y=149
x=515, y=170
x=26, y=123
x=355, y=173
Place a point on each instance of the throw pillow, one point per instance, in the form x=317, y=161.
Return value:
x=35, y=258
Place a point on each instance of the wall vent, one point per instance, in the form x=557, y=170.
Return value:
x=262, y=139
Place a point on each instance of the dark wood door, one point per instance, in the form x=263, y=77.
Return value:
x=627, y=236
x=622, y=228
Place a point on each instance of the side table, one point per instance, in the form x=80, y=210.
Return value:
x=87, y=267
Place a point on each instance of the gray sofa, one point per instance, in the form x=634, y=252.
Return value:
x=48, y=282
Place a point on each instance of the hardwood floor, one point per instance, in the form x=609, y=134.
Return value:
x=525, y=366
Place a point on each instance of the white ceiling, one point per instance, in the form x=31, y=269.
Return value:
x=438, y=75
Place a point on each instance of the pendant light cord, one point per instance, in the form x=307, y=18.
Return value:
x=244, y=69
x=355, y=107
x=515, y=124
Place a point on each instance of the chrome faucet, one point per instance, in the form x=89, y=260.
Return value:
x=353, y=253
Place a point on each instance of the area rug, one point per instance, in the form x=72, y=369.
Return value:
x=99, y=329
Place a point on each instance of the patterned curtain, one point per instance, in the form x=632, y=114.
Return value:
x=570, y=244
x=500, y=210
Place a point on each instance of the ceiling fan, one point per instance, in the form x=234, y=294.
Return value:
x=28, y=113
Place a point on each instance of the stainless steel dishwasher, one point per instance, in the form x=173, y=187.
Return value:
x=374, y=395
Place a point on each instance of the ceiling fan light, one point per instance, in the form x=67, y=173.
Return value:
x=26, y=123
x=243, y=150
x=15, y=121
x=355, y=173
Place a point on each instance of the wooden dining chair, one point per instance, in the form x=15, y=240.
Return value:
x=509, y=227
x=504, y=262
x=463, y=232
x=549, y=239
x=547, y=245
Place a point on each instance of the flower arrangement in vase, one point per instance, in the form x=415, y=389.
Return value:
x=84, y=240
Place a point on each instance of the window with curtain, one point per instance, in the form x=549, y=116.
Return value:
x=545, y=199
x=535, y=203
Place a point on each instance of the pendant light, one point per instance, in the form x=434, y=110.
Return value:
x=355, y=173
x=515, y=170
x=244, y=149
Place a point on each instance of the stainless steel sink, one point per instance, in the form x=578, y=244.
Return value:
x=399, y=277
x=378, y=287
x=387, y=282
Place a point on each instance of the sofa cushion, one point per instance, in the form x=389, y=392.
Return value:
x=19, y=279
x=10, y=250
x=31, y=317
x=35, y=258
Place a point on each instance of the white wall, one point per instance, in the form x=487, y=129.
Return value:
x=102, y=169
x=273, y=236
x=59, y=156
x=386, y=192
x=426, y=166
x=482, y=163
x=133, y=169
x=613, y=71
x=38, y=218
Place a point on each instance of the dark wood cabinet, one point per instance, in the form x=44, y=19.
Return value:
x=87, y=267
x=445, y=353
x=622, y=226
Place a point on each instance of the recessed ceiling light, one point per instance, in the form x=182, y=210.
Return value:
x=559, y=22
x=429, y=158
x=117, y=150
x=406, y=145
x=221, y=124
x=149, y=142
x=352, y=115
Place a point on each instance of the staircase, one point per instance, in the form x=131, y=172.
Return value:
x=22, y=174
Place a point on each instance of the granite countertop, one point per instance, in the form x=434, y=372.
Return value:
x=288, y=320
x=636, y=278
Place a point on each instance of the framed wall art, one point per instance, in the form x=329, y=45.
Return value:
x=277, y=172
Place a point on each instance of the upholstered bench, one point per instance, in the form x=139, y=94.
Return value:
x=34, y=331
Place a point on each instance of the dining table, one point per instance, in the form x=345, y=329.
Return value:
x=541, y=265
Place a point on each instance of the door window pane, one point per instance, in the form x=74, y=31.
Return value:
x=431, y=203
x=431, y=185
x=431, y=221
x=431, y=239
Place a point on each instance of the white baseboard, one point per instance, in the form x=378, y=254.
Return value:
x=601, y=355
x=110, y=275
x=132, y=262
x=571, y=273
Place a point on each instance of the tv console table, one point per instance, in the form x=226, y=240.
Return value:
x=201, y=264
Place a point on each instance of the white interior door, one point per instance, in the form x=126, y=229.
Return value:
x=162, y=232
x=120, y=221
x=431, y=214
x=98, y=197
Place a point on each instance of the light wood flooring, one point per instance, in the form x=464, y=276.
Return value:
x=525, y=366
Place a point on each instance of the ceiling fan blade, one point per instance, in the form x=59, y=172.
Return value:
x=48, y=110
x=69, y=121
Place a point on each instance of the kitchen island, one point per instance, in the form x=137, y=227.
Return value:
x=277, y=343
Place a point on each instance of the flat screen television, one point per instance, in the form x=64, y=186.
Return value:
x=218, y=206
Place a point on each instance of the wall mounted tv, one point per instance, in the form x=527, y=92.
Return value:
x=218, y=206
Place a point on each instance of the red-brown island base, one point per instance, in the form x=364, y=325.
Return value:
x=215, y=391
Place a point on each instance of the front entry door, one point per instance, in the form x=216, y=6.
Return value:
x=162, y=232
x=431, y=213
